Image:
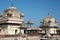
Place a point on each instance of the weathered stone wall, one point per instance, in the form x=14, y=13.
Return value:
x=19, y=38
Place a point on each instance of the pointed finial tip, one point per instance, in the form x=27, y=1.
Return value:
x=12, y=4
x=48, y=13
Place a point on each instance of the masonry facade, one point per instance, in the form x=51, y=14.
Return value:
x=13, y=27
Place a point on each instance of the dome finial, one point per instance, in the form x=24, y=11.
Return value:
x=48, y=14
x=12, y=4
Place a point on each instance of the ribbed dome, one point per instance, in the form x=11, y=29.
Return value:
x=12, y=14
x=49, y=21
x=12, y=10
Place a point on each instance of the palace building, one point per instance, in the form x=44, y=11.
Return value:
x=13, y=27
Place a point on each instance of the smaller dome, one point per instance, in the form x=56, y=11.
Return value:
x=21, y=14
x=30, y=22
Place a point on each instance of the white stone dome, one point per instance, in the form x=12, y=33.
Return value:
x=12, y=10
x=49, y=18
x=49, y=21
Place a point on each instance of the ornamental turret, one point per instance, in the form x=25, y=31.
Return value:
x=30, y=23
